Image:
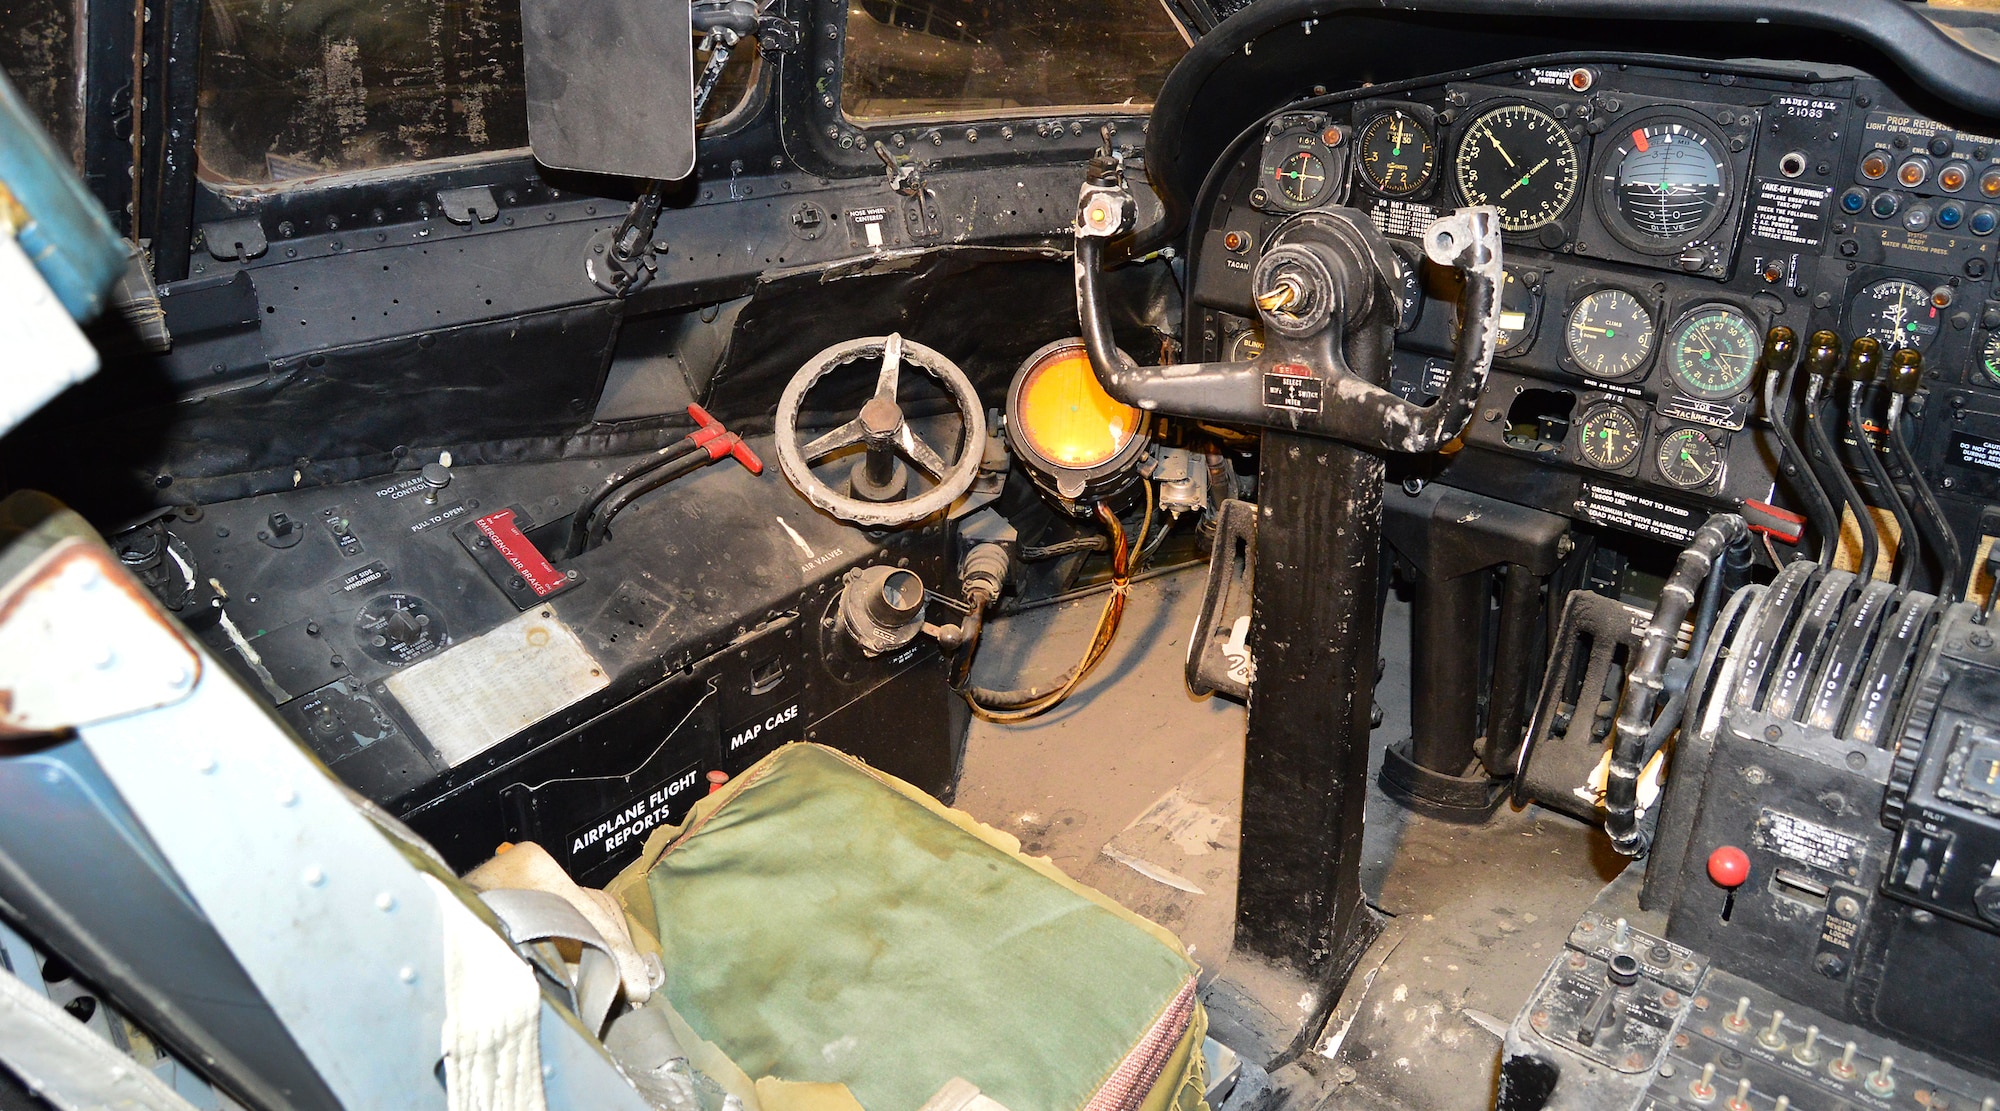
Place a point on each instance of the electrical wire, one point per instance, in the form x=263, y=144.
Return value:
x=1021, y=704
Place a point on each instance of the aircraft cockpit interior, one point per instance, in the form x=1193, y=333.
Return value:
x=999, y=555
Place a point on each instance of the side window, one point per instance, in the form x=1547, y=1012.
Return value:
x=300, y=88
x=38, y=50
x=940, y=58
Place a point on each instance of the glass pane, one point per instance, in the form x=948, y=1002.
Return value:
x=971, y=57
x=38, y=50
x=298, y=88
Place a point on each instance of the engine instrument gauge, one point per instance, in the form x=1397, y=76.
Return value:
x=1669, y=184
x=1688, y=458
x=1519, y=159
x=1610, y=334
x=1712, y=351
x=1610, y=437
x=1989, y=359
x=1898, y=312
x=1410, y=286
x=1397, y=155
x=1301, y=177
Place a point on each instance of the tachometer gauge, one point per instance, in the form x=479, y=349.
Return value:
x=1610, y=437
x=1668, y=182
x=1610, y=334
x=1712, y=352
x=1519, y=159
x=1301, y=177
x=1898, y=312
x=1688, y=458
x=1396, y=154
x=1989, y=359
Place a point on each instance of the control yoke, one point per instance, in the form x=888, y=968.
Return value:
x=1325, y=287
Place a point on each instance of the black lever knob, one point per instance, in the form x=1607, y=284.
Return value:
x=1822, y=353
x=1864, y=359
x=1906, y=371
x=1781, y=346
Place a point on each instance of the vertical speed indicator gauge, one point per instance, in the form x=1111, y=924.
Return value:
x=1519, y=159
x=1397, y=155
x=1610, y=334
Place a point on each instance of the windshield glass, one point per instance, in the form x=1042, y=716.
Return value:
x=38, y=53
x=299, y=88
x=921, y=58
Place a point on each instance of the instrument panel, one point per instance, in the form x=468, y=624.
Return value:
x=1658, y=222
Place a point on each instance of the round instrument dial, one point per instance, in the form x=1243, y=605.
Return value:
x=1397, y=155
x=1520, y=160
x=1898, y=312
x=1610, y=334
x=1712, y=351
x=1302, y=177
x=1688, y=458
x=1669, y=184
x=1246, y=345
x=1989, y=359
x=1610, y=437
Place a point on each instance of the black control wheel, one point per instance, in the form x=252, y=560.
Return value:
x=874, y=491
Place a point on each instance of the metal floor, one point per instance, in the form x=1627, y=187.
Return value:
x=1134, y=786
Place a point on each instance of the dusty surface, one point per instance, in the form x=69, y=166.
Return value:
x=1134, y=786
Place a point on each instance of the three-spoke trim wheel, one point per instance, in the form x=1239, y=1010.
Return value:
x=887, y=435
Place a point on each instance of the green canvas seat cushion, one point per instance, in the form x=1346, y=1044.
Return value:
x=822, y=922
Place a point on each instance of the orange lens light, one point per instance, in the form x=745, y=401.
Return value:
x=1067, y=417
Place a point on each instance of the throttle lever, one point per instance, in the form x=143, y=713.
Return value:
x=1326, y=286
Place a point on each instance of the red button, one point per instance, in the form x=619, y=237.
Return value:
x=1728, y=866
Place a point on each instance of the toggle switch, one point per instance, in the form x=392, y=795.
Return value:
x=1739, y=1020
x=1702, y=1088
x=1879, y=1081
x=1773, y=1036
x=1843, y=1066
x=1807, y=1052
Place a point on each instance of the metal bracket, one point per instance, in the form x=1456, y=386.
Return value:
x=232, y=239
x=463, y=206
x=1219, y=660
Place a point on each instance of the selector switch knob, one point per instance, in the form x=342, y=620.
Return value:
x=1622, y=970
x=1729, y=867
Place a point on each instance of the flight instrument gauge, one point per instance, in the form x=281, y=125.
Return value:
x=1301, y=177
x=1610, y=334
x=1989, y=359
x=1688, y=458
x=1898, y=312
x=1667, y=182
x=1712, y=351
x=1397, y=154
x=1610, y=437
x=1519, y=159
x=1304, y=164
